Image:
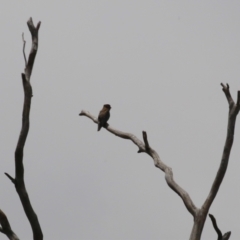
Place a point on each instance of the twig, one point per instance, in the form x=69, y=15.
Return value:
x=24, y=43
x=214, y=223
x=145, y=139
x=219, y=233
x=11, y=178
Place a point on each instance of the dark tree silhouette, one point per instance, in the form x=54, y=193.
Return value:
x=18, y=181
x=226, y=236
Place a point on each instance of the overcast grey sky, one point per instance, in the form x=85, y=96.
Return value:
x=159, y=64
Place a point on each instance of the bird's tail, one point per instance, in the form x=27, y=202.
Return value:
x=99, y=127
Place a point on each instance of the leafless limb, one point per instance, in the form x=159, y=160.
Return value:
x=19, y=168
x=157, y=161
x=24, y=55
x=233, y=111
x=199, y=214
x=33, y=52
x=11, y=178
x=226, y=236
x=6, y=228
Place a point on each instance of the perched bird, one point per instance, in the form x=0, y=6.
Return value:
x=103, y=116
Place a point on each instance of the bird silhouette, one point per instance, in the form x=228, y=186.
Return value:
x=103, y=116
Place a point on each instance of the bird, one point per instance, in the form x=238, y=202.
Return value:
x=103, y=116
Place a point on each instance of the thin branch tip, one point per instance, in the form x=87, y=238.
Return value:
x=38, y=25
x=24, y=44
x=10, y=177
x=32, y=28
x=225, y=87
x=227, y=235
x=30, y=21
x=145, y=139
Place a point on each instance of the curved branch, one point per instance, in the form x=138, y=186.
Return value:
x=226, y=236
x=157, y=161
x=233, y=111
x=24, y=55
x=6, y=228
x=214, y=223
x=201, y=217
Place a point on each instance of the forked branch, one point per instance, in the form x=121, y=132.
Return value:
x=199, y=214
x=233, y=111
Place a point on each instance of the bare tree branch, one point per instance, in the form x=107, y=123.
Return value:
x=11, y=178
x=199, y=214
x=202, y=214
x=157, y=161
x=24, y=55
x=33, y=52
x=19, y=168
x=227, y=93
x=214, y=223
x=226, y=236
x=219, y=233
x=6, y=228
x=233, y=111
x=145, y=139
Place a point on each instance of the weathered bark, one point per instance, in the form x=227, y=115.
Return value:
x=233, y=112
x=157, y=161
x=199, y=214
x=19, y=168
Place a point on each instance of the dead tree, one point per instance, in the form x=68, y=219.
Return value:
x=18, y=181
x=199, y=214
